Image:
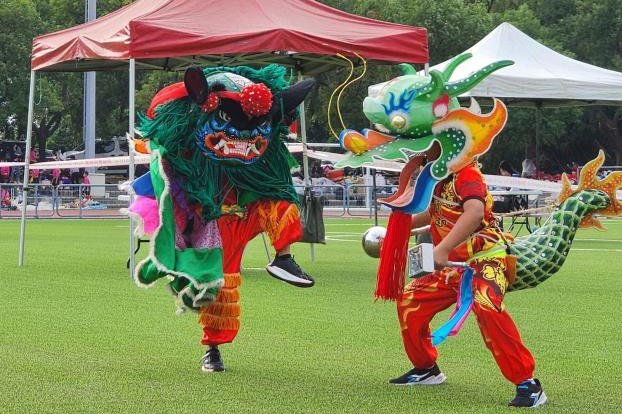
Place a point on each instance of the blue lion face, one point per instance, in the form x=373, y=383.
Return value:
x=242, y=115
x=224, y=141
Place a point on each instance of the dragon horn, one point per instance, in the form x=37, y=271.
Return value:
x=435, y=87
x=454, y=63
x=463, y=85
x=407, y=69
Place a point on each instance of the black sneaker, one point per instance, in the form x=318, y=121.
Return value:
x=416, y=376
x=529, y=394
x=211, y=361
x=286, y=269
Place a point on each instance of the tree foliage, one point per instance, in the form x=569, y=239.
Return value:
x=588, y=30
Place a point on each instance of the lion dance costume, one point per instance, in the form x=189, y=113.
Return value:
x=422, y=112
x=219, y=175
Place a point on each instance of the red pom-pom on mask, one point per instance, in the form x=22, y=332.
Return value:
x=256, y=99
x=211, y=103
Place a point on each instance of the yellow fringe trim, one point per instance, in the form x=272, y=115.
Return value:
x=270, y=221
x=222, y=324
x=232, y=280
x=228, y=295
x=223, y=309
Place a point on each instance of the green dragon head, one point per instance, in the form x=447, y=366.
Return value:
x=409, y=104
x=413, y=112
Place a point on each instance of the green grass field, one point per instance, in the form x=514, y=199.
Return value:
x=76, y=336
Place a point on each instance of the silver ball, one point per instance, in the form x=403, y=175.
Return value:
x=372, y=241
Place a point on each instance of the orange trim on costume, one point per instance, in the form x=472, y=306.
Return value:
x=223, y=309
x=220, y=323
x=269, y=217
x=228, y=295
x=224, y=313
x=232, y=280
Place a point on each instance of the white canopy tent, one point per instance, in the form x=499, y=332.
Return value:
x=539, y=76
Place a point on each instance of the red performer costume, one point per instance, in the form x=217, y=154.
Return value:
x=423, y=298
x=281, y=221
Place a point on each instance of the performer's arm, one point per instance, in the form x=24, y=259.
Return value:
x=467, y=224
x=420, y=220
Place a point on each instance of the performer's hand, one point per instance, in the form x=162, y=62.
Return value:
x=441, y=257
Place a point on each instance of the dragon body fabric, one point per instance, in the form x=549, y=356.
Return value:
x=219, y=174
x=417, y=112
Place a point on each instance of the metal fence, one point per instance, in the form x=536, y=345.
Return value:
x=63, y=201
x=93, y=201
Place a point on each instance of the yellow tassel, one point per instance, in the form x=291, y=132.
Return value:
x=232, y=280
x=290, y=216
x=223, y=309
x=270, y=221
x=228, y=295
x=215, y=322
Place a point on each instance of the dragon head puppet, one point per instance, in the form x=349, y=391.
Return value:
x=412, y=115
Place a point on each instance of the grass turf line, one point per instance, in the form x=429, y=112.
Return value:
x=76, y=336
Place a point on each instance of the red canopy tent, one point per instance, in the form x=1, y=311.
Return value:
x=168, y=34
x=173, y=34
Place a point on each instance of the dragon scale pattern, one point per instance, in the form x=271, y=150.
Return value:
x=542, y=253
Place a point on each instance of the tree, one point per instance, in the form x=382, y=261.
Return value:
x=19, y=22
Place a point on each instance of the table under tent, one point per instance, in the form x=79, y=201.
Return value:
x=172, y=35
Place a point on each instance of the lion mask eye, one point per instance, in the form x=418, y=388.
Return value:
x=224, y=116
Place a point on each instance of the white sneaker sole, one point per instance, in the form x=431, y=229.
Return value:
x=435, y=380
x=281, y=274
x=541, y=400
x=209, y=370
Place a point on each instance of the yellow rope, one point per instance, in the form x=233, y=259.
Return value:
x=348, y=84
x=330, y=101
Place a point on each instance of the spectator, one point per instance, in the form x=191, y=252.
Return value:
x=5, y=172
x=87, y=184
x=17, y=150
x=55, y=177
x=34, y=176
x=16, y=172
x=506, y=169
x=60, y=155
x=74, y=173
x=316, y=171
x=529, y=168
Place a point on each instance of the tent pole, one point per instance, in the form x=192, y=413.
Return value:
x=426, y=69
x=31, y=101
x=303, y=137
x=538, y=120
x=305, y=157
x=132, y=111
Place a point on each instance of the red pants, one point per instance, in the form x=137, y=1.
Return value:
x=281, y=220
x=425, y=297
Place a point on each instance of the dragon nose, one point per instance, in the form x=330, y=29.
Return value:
x=398, y=122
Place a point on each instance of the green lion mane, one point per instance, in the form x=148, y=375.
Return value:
x=205, y=182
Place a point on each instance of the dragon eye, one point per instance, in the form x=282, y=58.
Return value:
x=224, y=116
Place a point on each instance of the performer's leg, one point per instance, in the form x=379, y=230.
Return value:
x=501, y=335
x=221, y=320
x=497, y=327
x=281, y=220
x=422, y=299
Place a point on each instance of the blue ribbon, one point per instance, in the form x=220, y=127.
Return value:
x=452, y=326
